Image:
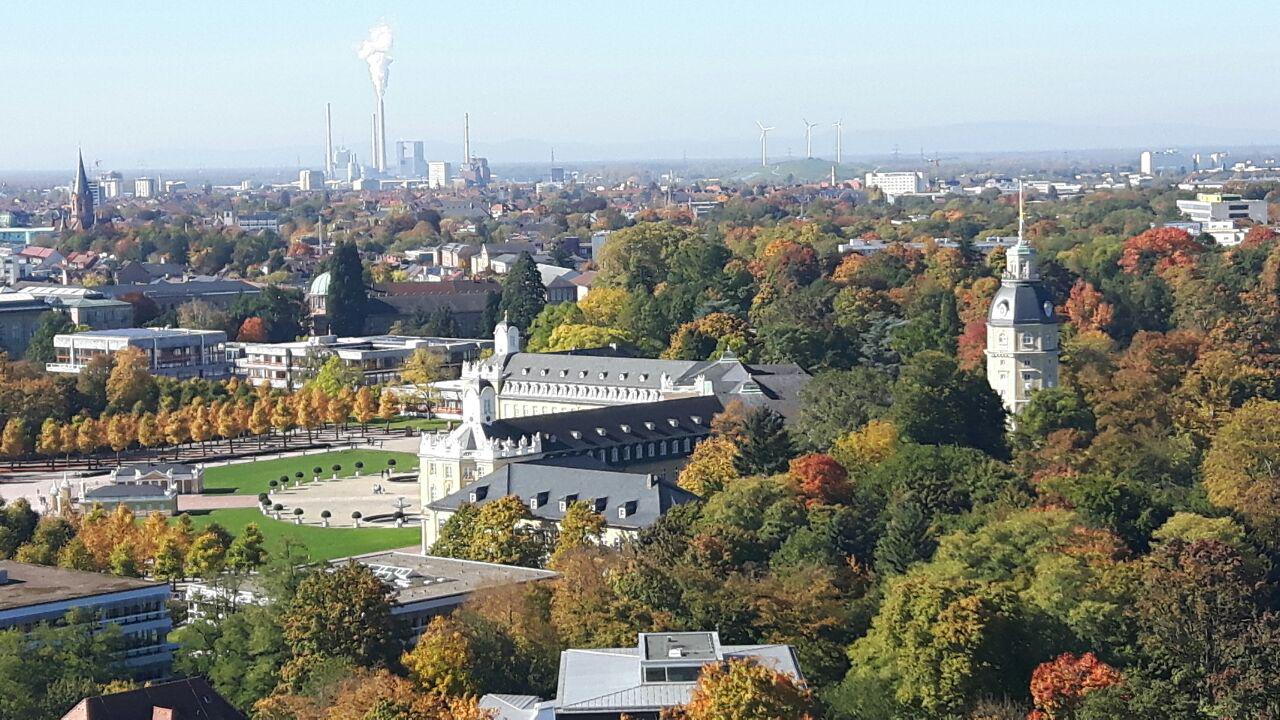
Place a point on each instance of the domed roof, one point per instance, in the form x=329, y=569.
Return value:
x=320, y=285
x=1021, y=304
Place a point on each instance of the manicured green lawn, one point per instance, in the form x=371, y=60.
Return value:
x=321, y=543
x=251, y=478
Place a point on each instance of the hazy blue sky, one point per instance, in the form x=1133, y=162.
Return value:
x=151, y=82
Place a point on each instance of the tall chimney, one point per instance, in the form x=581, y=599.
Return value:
x=382, y=137
x=373, y=154
x=466, y=138
x=328, y=141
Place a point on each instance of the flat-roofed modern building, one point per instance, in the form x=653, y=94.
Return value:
x=1208, y=207
x=171, y=352
x=423, y=586
x=897, y=183
x=34, y=594
x=639, y=682
x=379, y=358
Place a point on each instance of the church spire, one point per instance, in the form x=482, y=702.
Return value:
x=81, y=216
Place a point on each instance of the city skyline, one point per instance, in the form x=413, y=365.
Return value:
x=241, y=83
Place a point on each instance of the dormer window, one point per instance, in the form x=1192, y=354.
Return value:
x=575, y=434
x=601, y=431
x=603, y=375
x=564, y=373
x=524, y=371
x=625, y=428
x=649, y=425
x=568, y=500
x=673, y=422
x=626, y=509
x=544, y=372
x=644, y=376
x=622, y=376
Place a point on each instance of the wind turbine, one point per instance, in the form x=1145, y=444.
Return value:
x=839, y=126
x=808, y=139
x=764, y=147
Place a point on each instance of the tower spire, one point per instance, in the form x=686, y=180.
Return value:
x=1021, y=214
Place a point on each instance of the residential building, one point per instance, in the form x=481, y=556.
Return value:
x=1209, y=207
x=112, y=185
x=483, y=261
x=598, y=240
x=170, y=352
x=1146, y=163
x=893, y=184
x=422, y=586
x=628, y=501
x=639, y=682
x=36, y=257
x=457, y=255
x=309, y=180
x=187, y=699
x=378, y=358
x=145, y=187
x=1022, y=332
x=35, y=594
x=438, y=172
x=559, y=283
x=255, y=222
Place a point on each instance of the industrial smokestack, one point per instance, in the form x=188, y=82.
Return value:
x=328, y=141
x=382, y=137
x=374, y=130
x=376, y=51
x=466, y=138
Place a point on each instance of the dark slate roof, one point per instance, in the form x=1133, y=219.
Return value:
x=645, y=497
x=1028, y=304
x=114, y=492
x=579, y=431
x=191, y=699
x=193, y=288
x=444, y=287
x=126, y=472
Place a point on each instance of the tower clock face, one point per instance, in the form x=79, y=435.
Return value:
x=1002, y=309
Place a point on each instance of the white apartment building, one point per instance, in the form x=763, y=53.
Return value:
x=1210, y=207
x=309, y=180
x=438, y=172
x=379, y=358
x=897, y=183
x=171, y=352
x=144, y=187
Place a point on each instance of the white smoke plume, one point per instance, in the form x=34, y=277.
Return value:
x=376, y=50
